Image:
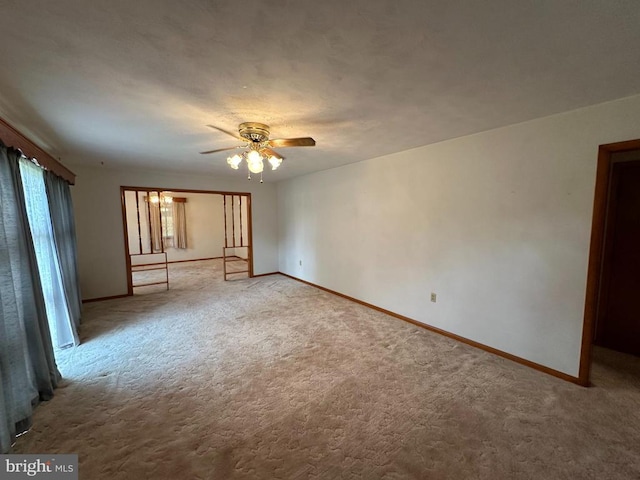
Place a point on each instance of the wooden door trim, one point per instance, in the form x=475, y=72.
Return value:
x=596, y=250
x=125, y=229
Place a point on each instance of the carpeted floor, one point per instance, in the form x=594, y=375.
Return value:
x=269, y=378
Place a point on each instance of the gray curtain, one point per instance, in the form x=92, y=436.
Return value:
x=64, y=235
x=28, y=371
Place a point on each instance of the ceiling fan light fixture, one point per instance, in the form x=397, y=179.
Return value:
x=257, y=148
x=275, y=162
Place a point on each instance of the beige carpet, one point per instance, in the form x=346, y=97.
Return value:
x=269, y=378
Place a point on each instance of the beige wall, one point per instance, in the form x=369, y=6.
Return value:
x=101, y=251
x=205, y=227
x=497, y=224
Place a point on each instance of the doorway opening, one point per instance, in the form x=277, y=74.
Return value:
x=164, y=226
x=612, y=311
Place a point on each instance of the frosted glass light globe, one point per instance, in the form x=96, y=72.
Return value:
x=275, y=162
x=254, y=160
x=234, y=161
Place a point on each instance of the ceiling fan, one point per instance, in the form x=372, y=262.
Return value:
x=258, y=147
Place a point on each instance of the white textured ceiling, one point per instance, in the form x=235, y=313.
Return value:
x=134, y=82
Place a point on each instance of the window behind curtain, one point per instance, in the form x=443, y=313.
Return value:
x=38, y=214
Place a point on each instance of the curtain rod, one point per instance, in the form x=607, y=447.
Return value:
x=11, y=137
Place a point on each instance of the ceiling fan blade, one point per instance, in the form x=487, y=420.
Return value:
x=221, y=150
x=292, y=142
x=273, y=153
x=234, y=135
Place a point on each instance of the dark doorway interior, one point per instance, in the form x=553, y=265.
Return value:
x=618, y=320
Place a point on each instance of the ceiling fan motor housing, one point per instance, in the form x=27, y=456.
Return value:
x=254, y=132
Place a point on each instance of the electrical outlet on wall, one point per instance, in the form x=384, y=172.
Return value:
x=433, y=297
